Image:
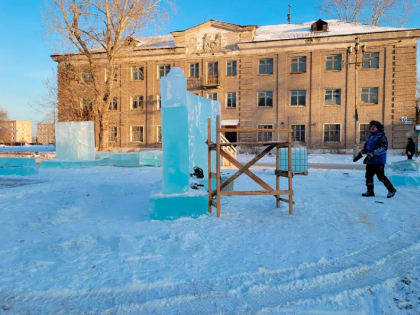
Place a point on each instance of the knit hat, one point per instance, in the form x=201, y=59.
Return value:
x=377, y=124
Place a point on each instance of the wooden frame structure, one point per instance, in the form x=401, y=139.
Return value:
x=245, y=168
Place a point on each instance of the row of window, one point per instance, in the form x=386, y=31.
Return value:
x=331, y=133
x=265, y=66
x=265, y=99
x=136, y=134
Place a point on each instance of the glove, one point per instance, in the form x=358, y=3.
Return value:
x=358, y=157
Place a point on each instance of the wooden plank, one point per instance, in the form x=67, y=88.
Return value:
x=258, y=180
x=255, y=193
x=277, y=144
x=286, y=200
x=242, y=170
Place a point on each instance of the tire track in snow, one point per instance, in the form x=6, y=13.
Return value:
x=263, y=291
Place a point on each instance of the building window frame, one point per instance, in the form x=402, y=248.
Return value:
x=212, y=96
x=369, y=95
x=299, y=133
x=137, y=102
x=370, y=60
x=330, y=135
x=298, y=64
x=158, y=102
x=332, y=96
x=194, y=70
x=333, y=62
x=140, y=133
x=113, y=134
x=265, y=66
x=265, y=98
x=159, y=134
x=137, y=73
x=297, y=98
x=231, y=68
x=265, y=136
x=87, y=76
x=163, y=70
x=364, y=132
x=113, y=105
x=230, y=99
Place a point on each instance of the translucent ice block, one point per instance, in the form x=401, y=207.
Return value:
x=406, y=165
x=75, y=141
x=18, y=166
x=73, y=164
x=151, y=158
x=124, y=159
x=299, y=159
x=408, y=179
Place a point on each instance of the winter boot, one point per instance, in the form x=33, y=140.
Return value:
x=390, y=187
x=369, y=192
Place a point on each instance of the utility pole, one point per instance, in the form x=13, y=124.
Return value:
x=288, y=14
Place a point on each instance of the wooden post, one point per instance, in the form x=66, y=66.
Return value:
x=217, y=164
x=290, y=173
x=209, y=161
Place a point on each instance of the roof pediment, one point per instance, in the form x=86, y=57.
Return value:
x=213, y=37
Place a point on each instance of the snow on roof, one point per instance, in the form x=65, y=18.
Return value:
x=164, y=41
x=296, y=31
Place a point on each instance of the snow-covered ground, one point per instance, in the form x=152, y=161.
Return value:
x=76, y=241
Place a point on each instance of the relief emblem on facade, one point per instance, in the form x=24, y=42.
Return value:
x=212, y=44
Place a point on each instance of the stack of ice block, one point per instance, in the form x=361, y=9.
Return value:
x=406, y=165
x=151, y=158
x=299, y=159
x=405, y=173
x=184, y=135
x=18, y=166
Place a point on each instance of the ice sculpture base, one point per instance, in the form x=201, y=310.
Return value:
x=72, y=164
x=399, y=180
x=174, y=206
x=18, y=166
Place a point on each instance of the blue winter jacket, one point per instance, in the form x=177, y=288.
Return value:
x=377, y=144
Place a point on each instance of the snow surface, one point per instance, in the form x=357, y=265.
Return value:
x=79, y=241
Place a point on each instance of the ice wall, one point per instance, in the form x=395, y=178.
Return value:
x=75, y=141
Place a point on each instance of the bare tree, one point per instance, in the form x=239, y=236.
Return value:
x=372, y=12
x=98, y=28
x=4, y=114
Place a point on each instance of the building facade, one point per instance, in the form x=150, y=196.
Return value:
x=45, y=133
x=15, y=132
x=326, y=80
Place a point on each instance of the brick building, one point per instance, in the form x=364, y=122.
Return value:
x=45, y=133
x=15, y=132
x=324, y=79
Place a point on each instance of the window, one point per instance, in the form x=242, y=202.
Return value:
x=163, y=70
x=231, y=100
x=265, y=66
x=113, y=133
x=158, y=102
x=87, y=76
x=298, y=64
x=87, y=104
x=212, y=96
x=265, y=136
x=231, y=67
x=114, y=104
x=213, y=69
x=136, y=133
x=137, y=73
x=333, y=96
x=159, y=134
x=331, y=133
x=194, y=70
x=298, y=133
x=298, y=97
x=370, y=95
x=115, y=74
x=137, y=102
x=364, y=132
x=265, y=99
x=333, y=63
x=370, y=60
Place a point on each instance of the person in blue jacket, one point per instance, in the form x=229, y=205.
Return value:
x=375, y=148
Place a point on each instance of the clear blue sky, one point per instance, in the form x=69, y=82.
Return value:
x=25, y=47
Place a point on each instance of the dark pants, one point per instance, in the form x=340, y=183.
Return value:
x=410, y=156
x=379, y=171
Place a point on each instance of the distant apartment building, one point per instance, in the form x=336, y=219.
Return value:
x=45, y=133
x=15, y=132
x=325, y=80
